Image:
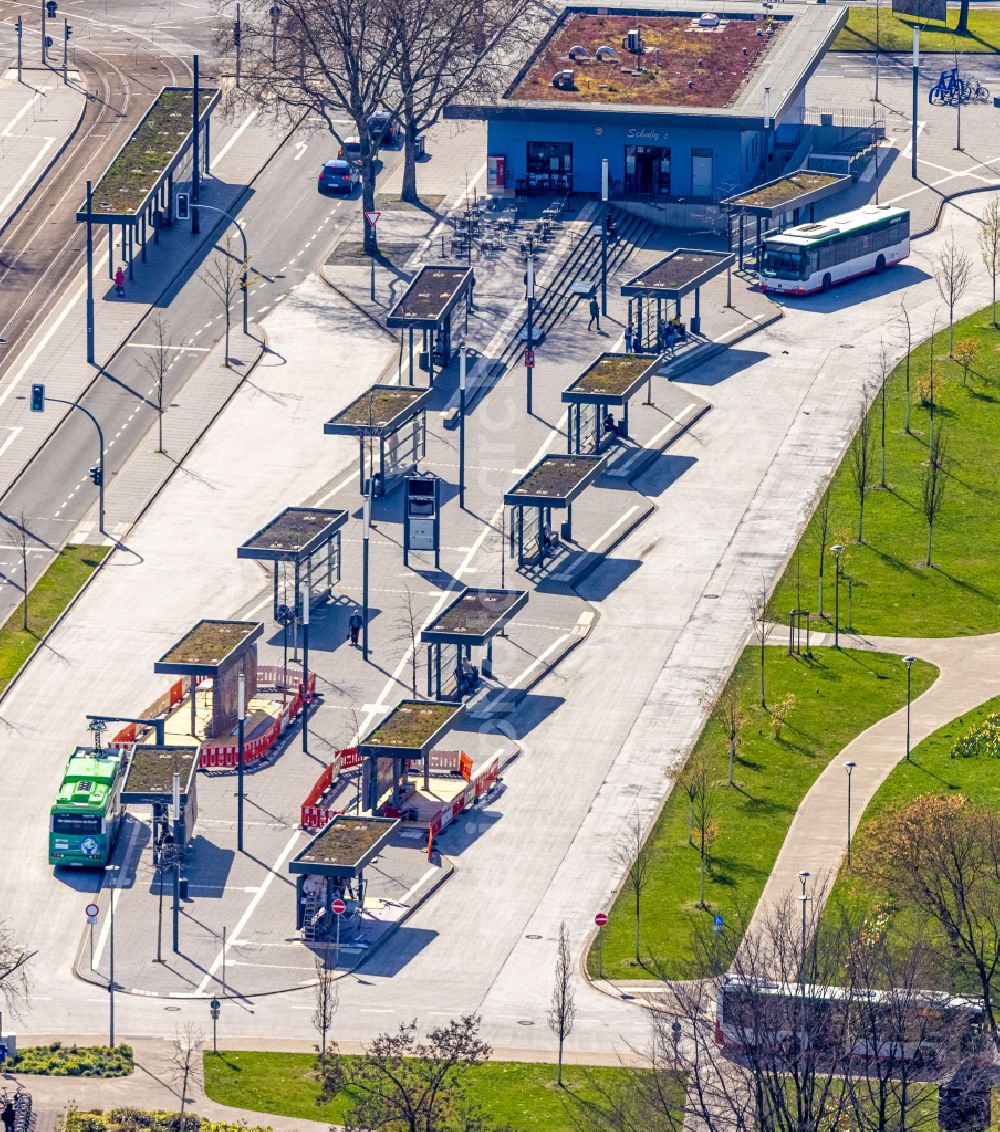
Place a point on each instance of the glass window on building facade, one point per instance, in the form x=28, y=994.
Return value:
x=550, y=166
x=647, y=170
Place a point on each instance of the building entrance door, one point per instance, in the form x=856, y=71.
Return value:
x=701, y=172
x=647, y=170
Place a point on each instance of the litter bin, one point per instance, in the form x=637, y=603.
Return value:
x=418, y=147
x=183, y=886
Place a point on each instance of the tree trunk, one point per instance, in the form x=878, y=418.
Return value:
x=24, y=573
x=763, y=700
x=637, y=897
x=906, y=426
x=732, y=758
x=994, y=299
x=559, y=1063
x=930, y=538
x=368, y=204
x=822, y=555
x=409, y=191
x=963, y=17
x=690, y=820
x=227, y=337
x=861, y=516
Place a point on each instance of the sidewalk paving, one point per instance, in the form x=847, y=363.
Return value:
x=817, y=839
x=37, y=117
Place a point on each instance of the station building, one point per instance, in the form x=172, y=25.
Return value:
x=685, y=101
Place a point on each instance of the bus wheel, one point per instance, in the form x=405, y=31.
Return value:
x=827, y=282
x=880, y=265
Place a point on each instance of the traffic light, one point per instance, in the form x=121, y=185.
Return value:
x=51, y=8
x=49, y=41
x=97, y=476
x=182, y=206
x=69, y=30
x=237, y=32
x=38, y=398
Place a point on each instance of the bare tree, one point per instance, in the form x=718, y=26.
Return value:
x=562, y=1011
x=326, y=60
x=411, y=626
x=989, y=247
x=965, y=355
x=22, y=539
x=186, y=1064
x=704, y=808
x=934, y=483
x=327, y=996
x=940, y=856
x=14, y=960
x=860, y=456
x=731, y=717
x=823, y=530
x=954, y=270
x=222, y=277
x=633, y=855
x=757, y=603
x=452, y=48
x=882, y=379
x=909, y=350
x=155, y=364
x=400, y=1082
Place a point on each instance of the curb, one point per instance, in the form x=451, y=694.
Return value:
x=48, y=168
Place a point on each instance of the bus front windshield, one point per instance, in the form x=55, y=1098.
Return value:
x=783, y=261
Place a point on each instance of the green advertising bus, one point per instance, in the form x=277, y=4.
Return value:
x=84, y=819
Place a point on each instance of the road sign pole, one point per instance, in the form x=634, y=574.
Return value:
x=44, y=57
x=336, y=950
x=530, y=345
x=461, y=432
x=600, y=953
x=20, y=36
x=371, y=219
x=604, y=237
x=90, y=281
x=916, y=84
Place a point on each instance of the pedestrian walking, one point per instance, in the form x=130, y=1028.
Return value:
x=120, y=281
x=670, y=337
x=354, y=627
x=629, y=338
x=595, y=314
x=8, y=1116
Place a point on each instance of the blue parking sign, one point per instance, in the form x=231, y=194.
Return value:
x=717, y=924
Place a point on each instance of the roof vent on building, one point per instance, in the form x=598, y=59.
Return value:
x=579, y=54
x=606, y=54
x=708, y=20
x=563, y=80
x=634, y=41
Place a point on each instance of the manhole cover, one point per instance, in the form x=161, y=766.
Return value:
x=176, y=1008
x=525, y=1022
x=847, y=345
x=712, y=597
x=532, y=937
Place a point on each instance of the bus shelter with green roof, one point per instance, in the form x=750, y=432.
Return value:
x=303, y=546
x=150, y=781
x=220, y=650
x=430, y=305
x=611, y=380
x=668, y=280
x=777, y=202
x=136, y=191
x=388, y=421
x=553, y=483
x=406, y=735
x=332, y=867
x=472, y=619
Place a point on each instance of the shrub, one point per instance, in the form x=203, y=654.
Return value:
x=982, y=741
x=57, y=1060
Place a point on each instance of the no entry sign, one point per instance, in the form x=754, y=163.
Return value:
x=92, y=912
x=338, y=907
x=372, y=217
x=601, y=919
x=529, y=359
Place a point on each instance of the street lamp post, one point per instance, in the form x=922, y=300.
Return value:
x=111, y=969
x=178, y=851
x=849, y=767
x=803, y=877
x=366, y=532
x=461, y=430
x=908, y=661
x=529, y=293
x=241, y=713
x=604, y=237
x=305, y=667
x=837, y=549
x=246, y=257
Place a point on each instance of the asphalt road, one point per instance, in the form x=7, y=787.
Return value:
x=55, y=494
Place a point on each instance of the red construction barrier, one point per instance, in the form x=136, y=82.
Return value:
x=465, y=766
x=349, y=758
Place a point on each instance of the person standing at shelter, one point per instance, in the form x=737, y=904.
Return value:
x=120, y=282
x=354, y=627
x=629, y=338
x=595, y=314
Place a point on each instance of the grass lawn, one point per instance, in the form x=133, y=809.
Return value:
x=48, y=597
x=932, y=770
x=894, y=593
x=837, y=696
x=896, y=32
x=520, y=1095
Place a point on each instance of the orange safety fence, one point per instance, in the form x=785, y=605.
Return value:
x=480, y=783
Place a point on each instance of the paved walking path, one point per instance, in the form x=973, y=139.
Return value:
x=817, y=839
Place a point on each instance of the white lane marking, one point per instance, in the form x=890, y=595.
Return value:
x=410, y=891
x=49, y=142
x=21, y=113
x=494, y=706
x=300, y=150
x=251, y=908
x=14, y=430
x=340, y=486
x=153, y=346
x=239, y=133
x=909, y=145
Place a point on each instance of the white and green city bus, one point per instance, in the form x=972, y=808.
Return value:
x=84, y=819
x=812, y=257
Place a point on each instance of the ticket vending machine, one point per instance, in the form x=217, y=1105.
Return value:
x=422, y=517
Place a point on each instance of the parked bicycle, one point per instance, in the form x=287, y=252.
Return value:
x=952, y=90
